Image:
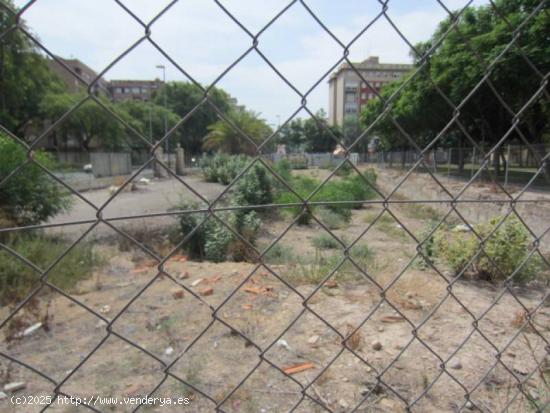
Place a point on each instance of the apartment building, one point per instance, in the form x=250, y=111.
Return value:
x=348, y=92
x=122, y=90
x=72, y=83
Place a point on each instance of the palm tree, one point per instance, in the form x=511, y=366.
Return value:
x=225, y=137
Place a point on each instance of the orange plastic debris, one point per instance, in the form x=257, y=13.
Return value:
x=297, y=368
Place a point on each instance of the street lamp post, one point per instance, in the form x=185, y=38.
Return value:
x=165, y=108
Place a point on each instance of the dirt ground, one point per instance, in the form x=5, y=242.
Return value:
x=218, y=325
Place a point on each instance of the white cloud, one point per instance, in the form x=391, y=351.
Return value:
x=201, y=38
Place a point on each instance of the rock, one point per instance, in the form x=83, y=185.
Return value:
x=15, y=386
x=313, y=339
x=100, y=324
x=469, y=405
x=177, y=294
x=183, y=275
x=389, y=404
x=380, y=329
x=234, y=272
x=168, y=351
x=206, y=291
x=196, y=282
x=105, y=309
x=376, y=345
x=399, y=347
x=331, y=284
x=457, y=365
x=343, y=403
x=409, y=295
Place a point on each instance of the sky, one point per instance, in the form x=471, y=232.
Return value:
x=204, y=41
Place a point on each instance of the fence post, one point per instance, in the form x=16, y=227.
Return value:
x=180, y=163
x=449, y=154
x=507, y=166
x=157, y=168
x=473, y=162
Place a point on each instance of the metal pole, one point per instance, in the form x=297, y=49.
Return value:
x=450, y=152
x=165, y=109
x=473, y=161
x=507, y=166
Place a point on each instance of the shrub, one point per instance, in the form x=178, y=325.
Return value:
x=280, y=254
x=505, y=250
x=343, y=170
x=17, y=278
x=29, y=196
x=284, y=170
x=222, y=168
x=325, y=242
x=330, y=219
x=254, y=188
x=213, y=241
x=303, y=186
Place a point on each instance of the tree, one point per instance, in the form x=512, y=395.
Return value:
x=181, y=98
x=148, y=119
x=88, y=126
x=457, y=66
x=29, y=196
x=224, y=137
x=24, y=77
x=309, y=135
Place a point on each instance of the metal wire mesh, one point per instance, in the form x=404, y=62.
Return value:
x=386, y=200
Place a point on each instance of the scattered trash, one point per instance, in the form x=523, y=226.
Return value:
x=462, y=228
x=144, y=181
x=297, y=368
x=196, y=282
x=392, y=319
x=105, y=309
x=15, y=386
x=30, y=330
x=282, y=343
x=206, y=291
x=168, y=351
x=112, y=189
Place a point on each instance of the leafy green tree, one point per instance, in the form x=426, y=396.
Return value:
x=224, y=137
x=309, y=135
x=181, y=98
x=457, y=66
x=148, y=119
x=29, y=196
x=24, y=77
x=90, y=125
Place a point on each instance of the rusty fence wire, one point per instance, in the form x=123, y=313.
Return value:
x=308, y=396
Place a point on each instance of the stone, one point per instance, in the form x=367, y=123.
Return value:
x=376, y=345
x=105, y=309
x=183, y=275
x=469, y=405
x=15, y=386
x=409, y=295
x=313, y=339
x=343, y=403
x=380, y=329
x=168, y=351
x=456, y=365
x=331, y=284
x=390, y=405
x=100, y=324
x=206, y=291
x=234, y=272
x=177, y=294
x=283, y=343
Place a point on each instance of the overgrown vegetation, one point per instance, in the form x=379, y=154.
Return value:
x=325, y=242
x=29, y=196
x=17, y=278
x=222, y=168
x=505, y=251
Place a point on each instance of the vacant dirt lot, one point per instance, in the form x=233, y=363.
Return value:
x=200, y=329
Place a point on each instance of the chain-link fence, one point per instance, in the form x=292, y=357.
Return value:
x=384, y=324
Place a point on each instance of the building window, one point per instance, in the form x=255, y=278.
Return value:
x=371, y=96
x=136, y=90
x=363, y=96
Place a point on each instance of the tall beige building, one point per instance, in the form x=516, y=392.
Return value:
x=348, y=93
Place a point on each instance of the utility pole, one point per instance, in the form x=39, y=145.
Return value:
x=165, y=108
